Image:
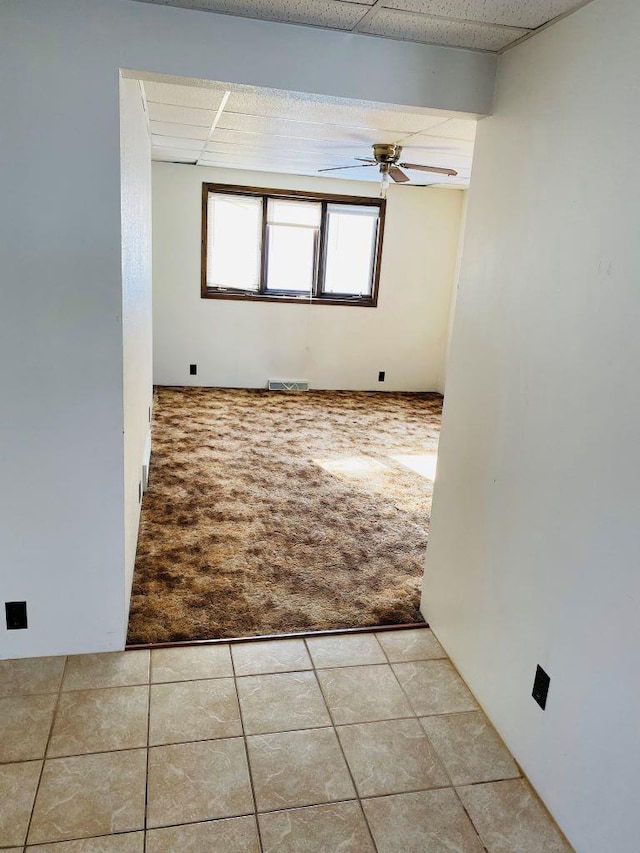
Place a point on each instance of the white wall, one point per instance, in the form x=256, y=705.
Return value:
x=533, y=555
x=62, y=539
x=242, y=345
x=456, y=284
x=136, y=308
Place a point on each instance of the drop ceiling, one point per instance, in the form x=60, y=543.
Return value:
x=246, y=127
x=489, y=25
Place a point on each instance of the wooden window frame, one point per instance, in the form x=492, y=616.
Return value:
x=317, y=298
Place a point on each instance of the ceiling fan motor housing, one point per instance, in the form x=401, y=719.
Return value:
x=388, y=154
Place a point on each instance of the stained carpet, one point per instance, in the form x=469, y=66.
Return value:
x=273, y=512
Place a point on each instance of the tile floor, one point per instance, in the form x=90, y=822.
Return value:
x=346, y=744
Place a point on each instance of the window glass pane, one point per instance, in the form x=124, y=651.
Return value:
x=291, y=258
x=234, y=225
x=350, y=241
x=287, y=212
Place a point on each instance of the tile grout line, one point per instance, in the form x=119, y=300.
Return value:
x=227, y=737
x=246, y=754
x=147, y=756
x=436, y=753
x=470, y=819
x=46, y=750
x=119, y=833
x=337, y=737
x=264, y=734
x=278, y=731
x=433, y=747
x=145, y=683
x=417, y=718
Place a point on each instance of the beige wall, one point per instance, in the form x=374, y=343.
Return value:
x=243, y=345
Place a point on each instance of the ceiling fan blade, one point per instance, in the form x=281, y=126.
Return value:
x=355, y=166
x=438, y=169
x=366, y=160
x=398, y=175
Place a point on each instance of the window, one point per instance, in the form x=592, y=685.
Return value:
x=287, y=246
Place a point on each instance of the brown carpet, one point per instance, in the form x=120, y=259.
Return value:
x=274, y=512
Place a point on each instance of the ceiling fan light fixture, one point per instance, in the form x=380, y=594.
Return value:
x=387, y=157
x=384, y=182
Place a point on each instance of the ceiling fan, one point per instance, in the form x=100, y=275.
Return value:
x=387, y=157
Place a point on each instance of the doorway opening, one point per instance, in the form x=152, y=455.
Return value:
x=279, y=512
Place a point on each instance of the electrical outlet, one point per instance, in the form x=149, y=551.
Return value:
x=16, y=612
x=193, y=369
x=381, y=376
x=541, y=687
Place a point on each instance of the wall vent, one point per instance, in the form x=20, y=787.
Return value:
x=288, y=385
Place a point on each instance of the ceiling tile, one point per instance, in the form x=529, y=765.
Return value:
x=444, y=161
x=455, y=128
x=176, y=142
x=197, y=96
x=247, y=143
x=306, y=109
x=180, y=115
x=413, y=27
x=512, y=13
x=173, y=155
x=320, y=13
x=437, y=155
x=261, y=164
x=295, y=130
x=184, y=131
x=222, y=149
x=357, y=174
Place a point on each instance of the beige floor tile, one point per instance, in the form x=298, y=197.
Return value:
x=391, y=757
x=509, y=817
x=281, y=702
x=434, y=687
x=15, y=810
x=319, y=829
x=194, y=710
x=30, y=675
x=191, y=663
x=90, y=795
x=270, y=656
x=424, y=822
x=107, y=669
x=410, y=644
x=233, y=835
x=363, y=694
x=25, y=722
x=345, y=650
x=128, y=842
x=469, y=748
x=100, y=721
x=191, y=782
x=298, y=769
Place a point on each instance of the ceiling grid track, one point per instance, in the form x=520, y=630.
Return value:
x=218, y=116
x=366, y=17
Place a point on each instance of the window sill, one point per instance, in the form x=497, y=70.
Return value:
x=367, y=302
